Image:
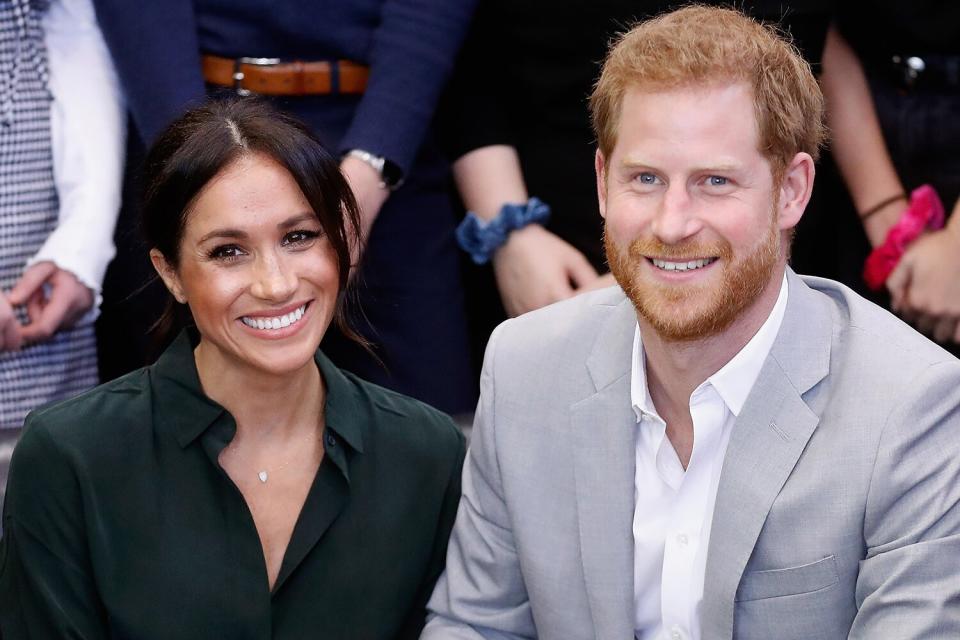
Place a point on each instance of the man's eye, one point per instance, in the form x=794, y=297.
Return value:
x=647, y=178
x=300, y=237
x=225, y=252
x=717, y=181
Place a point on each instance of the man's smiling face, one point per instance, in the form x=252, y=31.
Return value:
x=692, y=229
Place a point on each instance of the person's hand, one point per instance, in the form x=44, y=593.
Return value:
x=370, y=196
x=65, y=301
x=535, y=268
x=10, y=338
x=925, y=286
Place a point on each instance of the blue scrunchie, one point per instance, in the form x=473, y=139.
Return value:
x=481, y=238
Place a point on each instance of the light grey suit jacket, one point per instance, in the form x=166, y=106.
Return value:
x=837, y=513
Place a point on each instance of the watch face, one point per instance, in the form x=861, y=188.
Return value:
x=392, y=176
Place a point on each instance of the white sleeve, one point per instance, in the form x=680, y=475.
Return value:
x=88, y=129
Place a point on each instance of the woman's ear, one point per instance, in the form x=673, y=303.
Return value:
x=168, y=274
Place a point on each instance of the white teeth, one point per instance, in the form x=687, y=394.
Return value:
x=277, y=322
x=681, y=266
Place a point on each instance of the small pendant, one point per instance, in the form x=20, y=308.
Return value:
x=263, y=476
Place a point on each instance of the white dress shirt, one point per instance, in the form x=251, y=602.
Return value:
x=674, y=508
x=88, y=131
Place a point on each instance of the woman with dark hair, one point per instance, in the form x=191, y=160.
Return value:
x=242, y=486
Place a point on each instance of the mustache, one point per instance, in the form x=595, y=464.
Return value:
x=651, y=247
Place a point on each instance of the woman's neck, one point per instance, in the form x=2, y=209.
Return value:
x=264, y=406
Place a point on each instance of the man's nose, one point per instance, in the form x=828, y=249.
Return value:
x=274, y=279
x=676, y=217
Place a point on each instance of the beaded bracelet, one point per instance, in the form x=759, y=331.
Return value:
x=925, y=212
x=481, y=238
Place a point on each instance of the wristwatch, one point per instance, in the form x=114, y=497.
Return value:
x=391, y=178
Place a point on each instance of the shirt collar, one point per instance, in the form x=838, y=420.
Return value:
x=189, y=412
x=733, y=381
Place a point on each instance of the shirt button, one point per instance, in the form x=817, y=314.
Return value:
x=676, y=633
x=683, y=539
x=331, y=441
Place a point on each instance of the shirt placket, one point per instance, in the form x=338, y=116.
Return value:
x=681, y=585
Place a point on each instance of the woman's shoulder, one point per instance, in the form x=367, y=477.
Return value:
x=93, y=417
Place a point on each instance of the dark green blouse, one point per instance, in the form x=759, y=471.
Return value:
x=120, y=523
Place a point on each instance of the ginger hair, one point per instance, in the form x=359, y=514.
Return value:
x=702, y=45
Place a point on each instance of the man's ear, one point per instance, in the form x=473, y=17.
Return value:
x=795, y=189
x=168, y=274
x=599, y=163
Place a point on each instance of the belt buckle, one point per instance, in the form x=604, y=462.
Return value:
x=238, y=74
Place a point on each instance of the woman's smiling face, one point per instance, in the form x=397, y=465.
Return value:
x=256, y=270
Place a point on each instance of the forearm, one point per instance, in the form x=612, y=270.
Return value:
x=489, y=177
x=411, y=55
x=858, y=145
x=533, y=267
x=88, y=138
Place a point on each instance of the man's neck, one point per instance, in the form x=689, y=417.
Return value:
x=675, y=368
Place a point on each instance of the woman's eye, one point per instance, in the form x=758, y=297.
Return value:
x=225, y=252
x=717, y=181
x=300, y=237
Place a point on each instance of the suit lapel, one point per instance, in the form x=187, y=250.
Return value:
x=768, y=438
x=603, y=437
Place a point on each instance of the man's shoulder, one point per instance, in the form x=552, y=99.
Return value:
x=552, y=347
x=569, y=324
x=864, y=329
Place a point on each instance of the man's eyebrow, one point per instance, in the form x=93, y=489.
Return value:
x=634, y=163
x=719, y=167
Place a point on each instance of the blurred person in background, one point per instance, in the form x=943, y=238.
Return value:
x=892, y=82
x=61, y=160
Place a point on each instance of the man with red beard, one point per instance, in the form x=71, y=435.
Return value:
x=729, y=450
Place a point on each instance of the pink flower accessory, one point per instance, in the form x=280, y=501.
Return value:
x=924, y=213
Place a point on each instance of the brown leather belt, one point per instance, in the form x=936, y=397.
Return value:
x=271, y=77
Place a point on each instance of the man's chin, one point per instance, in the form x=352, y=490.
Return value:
x=674, y=322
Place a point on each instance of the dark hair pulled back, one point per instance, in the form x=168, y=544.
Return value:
x=206, y=140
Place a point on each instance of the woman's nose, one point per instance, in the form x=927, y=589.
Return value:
x=274, y=279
